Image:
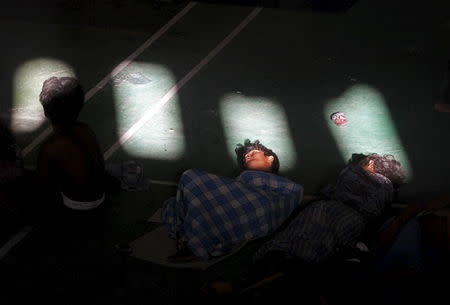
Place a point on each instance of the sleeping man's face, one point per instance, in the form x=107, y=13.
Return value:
x=370, y=166
x=256, y=160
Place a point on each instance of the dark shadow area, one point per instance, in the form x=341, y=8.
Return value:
x=129, y=15
x=335, y=6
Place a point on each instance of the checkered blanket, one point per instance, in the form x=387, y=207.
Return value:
x=326, y=227
x=212, y=213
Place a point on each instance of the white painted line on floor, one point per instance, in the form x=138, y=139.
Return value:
x=156, y=108
x=115, y=71
x=14, y=241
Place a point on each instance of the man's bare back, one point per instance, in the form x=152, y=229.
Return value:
x=71, y=161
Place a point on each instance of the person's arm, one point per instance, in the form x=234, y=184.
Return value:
x=43, y=169
x=369, y=202
x=39, y=188
x=43, y=179
x=92, y=138
x=101, y=159
x=369, y=195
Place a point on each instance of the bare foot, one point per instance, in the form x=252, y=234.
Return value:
x=442, y=107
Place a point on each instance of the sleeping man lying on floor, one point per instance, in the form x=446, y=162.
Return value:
x=211, y=214
x=322, y=229
x=363, y=191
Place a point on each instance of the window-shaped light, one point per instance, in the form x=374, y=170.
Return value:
x=27, y=113
x=137, y=89
x=257, y=118
x=370, y=127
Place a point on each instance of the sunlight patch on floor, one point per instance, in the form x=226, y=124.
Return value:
x=370, y=127
x=138, y=88
x=27, y=113
x=258, y=118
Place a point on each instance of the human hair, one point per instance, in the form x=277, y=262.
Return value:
x=62, y=99
x=385, y=165
x=242, y=150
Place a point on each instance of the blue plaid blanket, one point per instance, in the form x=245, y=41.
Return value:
x=213, y=213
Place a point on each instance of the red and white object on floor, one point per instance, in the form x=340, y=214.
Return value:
x=339, y=118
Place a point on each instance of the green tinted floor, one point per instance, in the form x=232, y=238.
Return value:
x=277, y=80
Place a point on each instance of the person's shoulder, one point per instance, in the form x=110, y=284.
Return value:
x=51, y=145
x=384, y=180
x=352, y=171
x=84, y=128
x=352, y=175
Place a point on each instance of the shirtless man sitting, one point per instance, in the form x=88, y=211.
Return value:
x=70, y=161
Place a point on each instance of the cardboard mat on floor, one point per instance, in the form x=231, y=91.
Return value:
x=155, y=246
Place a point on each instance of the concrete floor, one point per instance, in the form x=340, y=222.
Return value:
x=382, y=63
x=278, y=81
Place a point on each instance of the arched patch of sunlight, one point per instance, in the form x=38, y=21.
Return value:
x=27, y=113
x=370, y=127
x=138, y=88
x=257, y=118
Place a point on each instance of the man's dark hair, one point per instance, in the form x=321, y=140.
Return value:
x=385, y=165
x=242, y=150
x=62, y=99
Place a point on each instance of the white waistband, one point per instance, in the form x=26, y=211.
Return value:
x=82, y=205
